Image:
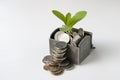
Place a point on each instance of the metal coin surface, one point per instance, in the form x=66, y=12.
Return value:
x=64, y=63
x=75, y=40
x=81, y=32
x=45, y=67
x=59, y=51
x=59, y=72
x=61, y=36
x=69, y=67
x=57, y=61
x=73, y=43
x=59, y=58
x=61, y=45
x=48, y=60
x=54, y=68
x=58, y=55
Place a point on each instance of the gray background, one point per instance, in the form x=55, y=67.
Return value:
x=25, y=27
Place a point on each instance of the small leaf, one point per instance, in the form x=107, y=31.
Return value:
x=68, y=17
x=77, y=17
x=59, y=15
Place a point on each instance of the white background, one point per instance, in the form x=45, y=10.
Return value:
x=25, y=27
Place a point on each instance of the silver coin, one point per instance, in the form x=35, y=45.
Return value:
x=70, y=66
x=74, y=34
x=58, y=72
x=75, y=40
x=59, y=51
x=81, y=32
x=64, y=63
x=73, y=43
x=48, y=60
x=57, y=55
x=57, y=61
x=54, y=68
x=61, y=36
x=61, y=45
x=58, y=58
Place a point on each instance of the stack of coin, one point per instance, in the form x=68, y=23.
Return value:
x=52, y=66
x=59, y=52
x=76, y=37
x=57, y=61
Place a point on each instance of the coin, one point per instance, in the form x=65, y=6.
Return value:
x=64, y=63
x=73, y=43
x=45, y=67
x=59, y=72
x=59, y=58
x=48, y=60
x=81, y=32
x=59, y=51
x=75, y=40
x=57, y=61
x=60, y=45
x=74, y=34
x=54, y=68
x=61, y=36
x=69, y=66
x=58, y=55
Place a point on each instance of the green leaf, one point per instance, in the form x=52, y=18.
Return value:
x=59, y=15
x=77, y=17
x=68, y=17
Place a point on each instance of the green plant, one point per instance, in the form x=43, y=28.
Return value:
x=68, y=20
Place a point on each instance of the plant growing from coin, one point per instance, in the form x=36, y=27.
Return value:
x=68, y=20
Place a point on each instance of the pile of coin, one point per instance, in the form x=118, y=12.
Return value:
x=57, y=62
x=76, y=37
x=51, y=66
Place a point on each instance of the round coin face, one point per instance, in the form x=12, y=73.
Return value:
x=61, y=45
x=61, y=36
x=48, y=60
